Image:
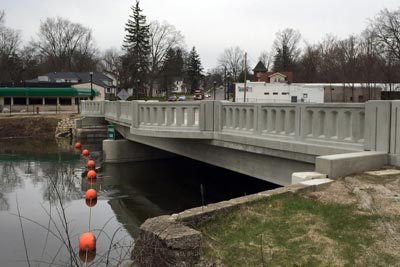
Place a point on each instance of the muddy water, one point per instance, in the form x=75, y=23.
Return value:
x=44, y=182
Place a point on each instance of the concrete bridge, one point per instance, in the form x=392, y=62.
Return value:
x=264, y=140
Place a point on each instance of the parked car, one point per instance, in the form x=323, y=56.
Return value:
x=198, y=95
x=172, y=98
x=181, y=98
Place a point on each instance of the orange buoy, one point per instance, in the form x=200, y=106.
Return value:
x=91, y=194
x=87, y=257
x=85, y=152
x=91, y=164
x=91, y=174
x=87, y=242
x=78, y=145
x=91, y=202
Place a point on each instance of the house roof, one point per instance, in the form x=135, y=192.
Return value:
x=260, y=67
x=45, y=92
x=82, y=77
x=277, y=74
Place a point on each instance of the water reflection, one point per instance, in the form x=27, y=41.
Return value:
x=44, y=174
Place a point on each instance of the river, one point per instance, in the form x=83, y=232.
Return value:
x=42, y=206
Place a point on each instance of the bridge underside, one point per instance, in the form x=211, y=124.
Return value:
x=269, y=165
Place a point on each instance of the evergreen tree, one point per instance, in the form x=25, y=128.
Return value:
x=193, y=70
x=283, y=60
x=137, y=47
x=172, y=68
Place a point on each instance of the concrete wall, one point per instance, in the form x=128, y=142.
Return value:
x=337, y=94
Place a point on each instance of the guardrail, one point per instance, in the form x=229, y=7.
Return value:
x=371, y=126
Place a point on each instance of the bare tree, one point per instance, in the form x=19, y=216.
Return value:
x=266, y=59
x=232, y=60
x=163, y=37
x=66, y=45
x=2, y=16
x=286, y=49
x=387, y=29
x=10, y=41
x=111, y=63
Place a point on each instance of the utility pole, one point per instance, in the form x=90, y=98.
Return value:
x=245, y=76
x=225, y=87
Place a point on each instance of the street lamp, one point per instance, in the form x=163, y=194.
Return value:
x=215, y=84
x=137, y=88
x=91, y=86
x=228, y=86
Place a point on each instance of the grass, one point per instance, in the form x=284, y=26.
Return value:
x=293, y=230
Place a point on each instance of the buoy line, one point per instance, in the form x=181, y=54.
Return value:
x=87, y=241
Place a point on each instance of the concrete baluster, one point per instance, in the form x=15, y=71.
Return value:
x=290, y=122
x=263, y=119
x=190, y=116
x=180, y=116
x=321, y=124
x=272, y=121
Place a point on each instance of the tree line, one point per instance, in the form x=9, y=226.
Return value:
x=371, y=57
x=153, y=56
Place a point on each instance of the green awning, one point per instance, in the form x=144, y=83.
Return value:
x=45, y=92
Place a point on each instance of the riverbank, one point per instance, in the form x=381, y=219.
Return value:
x=19, y=126
x=352, y=221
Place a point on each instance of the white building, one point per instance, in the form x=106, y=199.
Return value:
x=279, y=93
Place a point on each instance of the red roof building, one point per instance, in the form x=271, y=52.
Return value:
x=261, y=74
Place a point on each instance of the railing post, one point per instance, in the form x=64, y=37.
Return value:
x=395, y=133
x=206, y=119
x=377, y=125
x=102, y=108
x=217, y=116
x=118, y=109
x=301, y=122
x=135, y=113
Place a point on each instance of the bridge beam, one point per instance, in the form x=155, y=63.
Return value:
x=118, y=151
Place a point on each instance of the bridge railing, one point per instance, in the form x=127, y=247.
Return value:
x=341, y=124
x=335, y=123
x=92, y=108
x=180, y=116
x=344, y=123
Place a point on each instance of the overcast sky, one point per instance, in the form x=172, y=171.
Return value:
x=210, y=25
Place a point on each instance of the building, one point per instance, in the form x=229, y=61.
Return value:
x=262, y=92
x=308, y=93
x=17, y=99
x=261, y=74
x=104, y=85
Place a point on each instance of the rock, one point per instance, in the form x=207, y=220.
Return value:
x=64, y=128
x=6, y=110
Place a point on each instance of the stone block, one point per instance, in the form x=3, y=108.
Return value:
x=349, y=163
x=298, y=177
x=163, y=242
